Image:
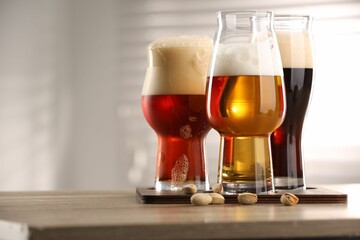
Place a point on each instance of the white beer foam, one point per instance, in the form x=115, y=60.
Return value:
x=177, y=65
x=258, y=57
x=295, y=48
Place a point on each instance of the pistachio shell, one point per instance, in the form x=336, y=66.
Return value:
x=247, y=198
x=217, y=198
x=189, y=189
x=289, y=199
x=217, y=188
x=201, y=199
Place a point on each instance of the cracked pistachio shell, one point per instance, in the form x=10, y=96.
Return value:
x=217, y=188
x=247, y=198
x=289, y=199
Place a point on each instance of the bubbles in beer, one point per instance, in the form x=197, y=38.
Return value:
x=179, y=172
x=185, y=131
x=177, y=65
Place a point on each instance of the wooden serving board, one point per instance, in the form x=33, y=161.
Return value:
x=310, y=195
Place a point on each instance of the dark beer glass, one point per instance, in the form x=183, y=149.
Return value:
x=245, y=98
x=295, y=42
x=173, y=103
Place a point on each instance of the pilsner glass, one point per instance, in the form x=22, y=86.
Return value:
x=173, y=103
x=295, y=43
x=245, y=98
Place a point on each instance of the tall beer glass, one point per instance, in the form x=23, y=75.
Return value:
x=295, y=42
x=173, y=103
x=245, y=98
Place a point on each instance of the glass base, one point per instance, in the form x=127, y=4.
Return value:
x=164, y=185
x=285, y=183
x=245, y=165
x=235, y=188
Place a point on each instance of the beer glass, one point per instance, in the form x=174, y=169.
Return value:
x=295, y=42
x=173, y=103
x=245, y=98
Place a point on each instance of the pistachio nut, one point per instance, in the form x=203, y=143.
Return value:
x=217, y=198
x=289, y=199
x=201, y=199
x=217, y=188
x=189, y=189
x=247, y=198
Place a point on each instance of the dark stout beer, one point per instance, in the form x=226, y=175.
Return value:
x=286, y=140
x=297, y=57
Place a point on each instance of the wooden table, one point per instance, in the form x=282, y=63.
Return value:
x=119, y=215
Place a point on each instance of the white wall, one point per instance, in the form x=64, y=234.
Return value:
x=71, y=74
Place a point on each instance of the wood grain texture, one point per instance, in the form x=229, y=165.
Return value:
x=120, y=215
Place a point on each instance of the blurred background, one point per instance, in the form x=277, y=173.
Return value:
x=71, y=73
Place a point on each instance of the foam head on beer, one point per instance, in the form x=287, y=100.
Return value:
x=254, y=57
x=177, y=65
x=296, y=48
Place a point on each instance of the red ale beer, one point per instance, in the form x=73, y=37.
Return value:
x=173, y=103
x=297, y=58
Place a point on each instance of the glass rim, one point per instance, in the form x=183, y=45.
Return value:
x=283, y=16
x=289, y=22
x=246, y=13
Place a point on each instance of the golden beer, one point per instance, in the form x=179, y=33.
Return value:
x=243, y=106
x=246, y=105
x=245, y=99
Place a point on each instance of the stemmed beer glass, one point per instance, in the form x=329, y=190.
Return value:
x=245, y=98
